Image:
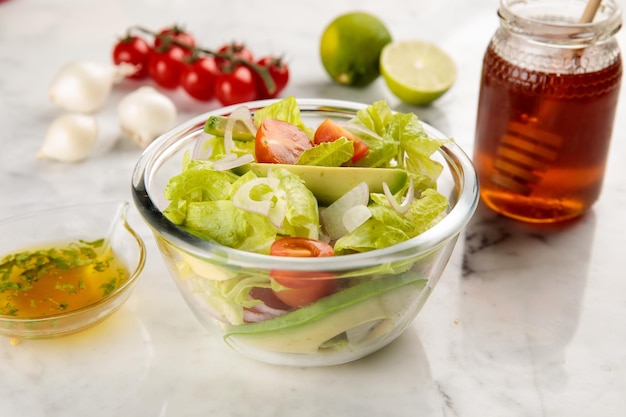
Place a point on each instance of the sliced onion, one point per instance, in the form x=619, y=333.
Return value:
x=200, y=149
x=278, y=212
x=261, y=312
x=240, y=114
x=231, y=161
x=355, y=216
x=407, y=201
x=332, y=217
x=274, y=211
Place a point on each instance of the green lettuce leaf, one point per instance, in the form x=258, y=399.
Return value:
x=286, y=110
x=388, y=227
x=328, y=154
x=302, y=217
x=373, y=234
x=200, y=182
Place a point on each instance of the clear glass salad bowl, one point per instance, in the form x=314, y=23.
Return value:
x=382, y=290
x=55, y=229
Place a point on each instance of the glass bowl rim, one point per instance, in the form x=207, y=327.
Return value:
x=135, y=272
x=448, y=228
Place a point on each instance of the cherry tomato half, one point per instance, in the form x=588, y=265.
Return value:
x=236, y=86
x=303, y=287
x=176, y=33
x=279, y=71
x=133, y=50
x=329, y=131
x=198, y=78
x=301, y=247
x=279, y=142
x=236, y=49
x=166, y=67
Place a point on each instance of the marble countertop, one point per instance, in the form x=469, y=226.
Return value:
x=525, y=321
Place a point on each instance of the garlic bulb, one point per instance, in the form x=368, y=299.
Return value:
x=70, y=138
x=145, y=114
x=84, y=86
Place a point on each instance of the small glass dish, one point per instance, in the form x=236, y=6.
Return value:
x=356, y=323
x=54, y=229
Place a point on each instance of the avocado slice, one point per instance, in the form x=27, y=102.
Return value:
x=307, y=330
x=216, y=125
x=329, y=183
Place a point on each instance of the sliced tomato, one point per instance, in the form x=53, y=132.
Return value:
x=311, y=287
x=303, y=287
x=301, y=247
x=279, y=142
x=329, y=131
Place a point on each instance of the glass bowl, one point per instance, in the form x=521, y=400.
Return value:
x=54, y=229
x=396, y=281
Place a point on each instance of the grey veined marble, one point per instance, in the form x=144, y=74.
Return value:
x=525, y=322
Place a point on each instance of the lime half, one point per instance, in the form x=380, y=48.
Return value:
x=417, y=72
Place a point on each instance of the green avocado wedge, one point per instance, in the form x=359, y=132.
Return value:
x=216, y=125
x=329, y=183
x=309, y=328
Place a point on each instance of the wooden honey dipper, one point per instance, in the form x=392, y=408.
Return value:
x=524, y=152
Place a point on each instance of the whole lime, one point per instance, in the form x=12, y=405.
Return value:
x=350, y=48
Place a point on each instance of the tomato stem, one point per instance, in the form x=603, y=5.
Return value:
x=168, y=40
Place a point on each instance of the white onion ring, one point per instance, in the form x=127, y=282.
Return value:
x=200, y=150
x=231, y=161
x=242, y=114
x=407, y=200
x=275, y=213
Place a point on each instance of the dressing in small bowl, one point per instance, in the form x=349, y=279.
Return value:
x=67, y=268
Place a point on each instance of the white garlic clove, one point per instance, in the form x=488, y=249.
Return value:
x=84, y=86
x=145, y=114
x=70, y=138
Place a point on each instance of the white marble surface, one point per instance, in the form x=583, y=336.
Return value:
x=525, y=322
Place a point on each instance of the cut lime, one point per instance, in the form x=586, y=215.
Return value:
x=417, y=72
x=350, y=48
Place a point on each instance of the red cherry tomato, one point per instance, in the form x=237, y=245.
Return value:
x=278, y=70
x=165, y=68
x=329, y=131
x=198, y=78
x=237, y=86
x=236, y=49
x=279, y=142
x=303, y=287
x=301, y=247
x=176, y=33
x=133, y=50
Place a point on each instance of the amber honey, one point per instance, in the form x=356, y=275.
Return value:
x=542, y=138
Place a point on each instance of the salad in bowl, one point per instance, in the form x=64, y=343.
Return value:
x=307, y=232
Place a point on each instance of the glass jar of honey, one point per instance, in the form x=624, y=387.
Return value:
x=549, y=90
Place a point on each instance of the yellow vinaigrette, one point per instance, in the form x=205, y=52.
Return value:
x=65, y=277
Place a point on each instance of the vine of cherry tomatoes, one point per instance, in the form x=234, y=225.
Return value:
x=230, y=74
